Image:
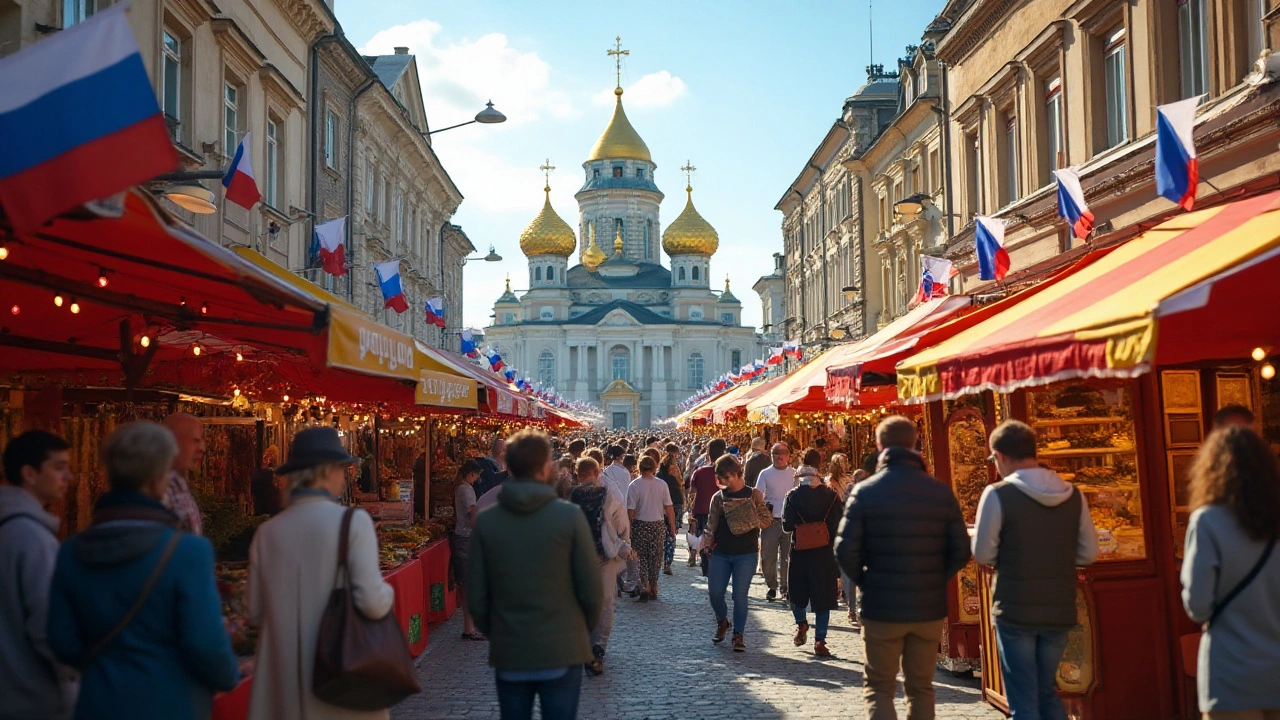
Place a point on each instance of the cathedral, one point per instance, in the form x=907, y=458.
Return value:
x=620, y=329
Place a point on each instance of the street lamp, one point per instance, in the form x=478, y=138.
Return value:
x=837, y=333
x=850, y=293
x=910, y=207
x=488, y=116
x=192, y=196
x=493, y=256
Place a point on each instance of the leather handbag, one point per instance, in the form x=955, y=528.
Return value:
x=361, y=664
x=813, y=535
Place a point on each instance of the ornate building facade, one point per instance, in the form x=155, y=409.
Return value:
x=619, y=328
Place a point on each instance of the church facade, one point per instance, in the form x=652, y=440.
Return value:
x=617, y=327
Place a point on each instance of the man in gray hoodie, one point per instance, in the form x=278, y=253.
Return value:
x=1034, y=528
x=37, y=470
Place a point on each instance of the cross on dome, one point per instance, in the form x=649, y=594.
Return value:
x=546, y=167
x=688, y=171
x=616, y=52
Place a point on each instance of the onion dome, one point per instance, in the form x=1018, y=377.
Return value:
x=593, y=255
x=548, y=234
x=689, y=234
x=619, y=140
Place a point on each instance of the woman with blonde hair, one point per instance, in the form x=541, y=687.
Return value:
x=1231, y=574
x=838, y=477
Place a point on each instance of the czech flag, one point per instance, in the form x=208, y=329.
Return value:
x=80, y=121
x=1071, y=204
x=1177, y=168
x=988, y=240
x=389, y=280
x=241, y=187
x=331, y=237
x=468, y=344
x=435, y=312
x=935, y=277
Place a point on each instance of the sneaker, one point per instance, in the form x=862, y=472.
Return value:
x=802, y=634
x=739, y=645
x=722, y=629
x=666, y=570
x=820, y=649
x=771, y=595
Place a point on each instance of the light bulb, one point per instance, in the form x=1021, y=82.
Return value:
x=195, y=350
x=1268, y=371
x=239, y=357
x=204, y=308
x=75, y=308
x=236, y=392
x=4, y=253
x=286, y=398
x=57, y=300
x=15, y=309
x=1259, y=354
x=102, y=278
x=145, y=341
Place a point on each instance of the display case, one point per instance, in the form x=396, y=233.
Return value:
x=1085, y=433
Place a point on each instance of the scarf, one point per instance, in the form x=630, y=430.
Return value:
x=809, y=474
x=591, y=499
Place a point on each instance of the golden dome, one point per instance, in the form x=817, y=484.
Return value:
x=548, y=234
x=689, y=234
x=593, y=255
x=619, y=139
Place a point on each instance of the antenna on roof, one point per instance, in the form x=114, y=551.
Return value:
x=871, y=35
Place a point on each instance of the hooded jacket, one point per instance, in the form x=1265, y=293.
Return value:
x=533, y=579
x=902, y=538
x=31, y=683
x=1033, y=514
x=175, y=653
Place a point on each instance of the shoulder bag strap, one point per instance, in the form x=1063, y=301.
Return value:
x=147, y=587
x=344, y=541
x=1239, y=588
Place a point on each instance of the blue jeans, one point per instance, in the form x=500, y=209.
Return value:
x=821, y=618
x=1029, y=661
x=558, y=697
x=740, y=568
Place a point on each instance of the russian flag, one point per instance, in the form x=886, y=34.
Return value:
x=241, y=188
x=468, y=344
x=1071, y=204
x=935, y=276
x=389, y=281
x=495, y=361
x=1177, y=168
x=79, y=120
x=509, y=374
x=331, y=237
x=759, y=369
x=435, y=312
x=775, y=356
x=988, y=240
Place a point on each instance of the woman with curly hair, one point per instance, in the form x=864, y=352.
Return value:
x=1231, y=574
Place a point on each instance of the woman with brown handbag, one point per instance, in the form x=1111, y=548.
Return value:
x=811, y=513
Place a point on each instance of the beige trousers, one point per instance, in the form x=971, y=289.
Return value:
x=914, y=648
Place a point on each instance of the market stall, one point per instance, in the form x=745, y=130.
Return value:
x=1119, y=367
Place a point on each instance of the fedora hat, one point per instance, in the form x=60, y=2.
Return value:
x=315, y=446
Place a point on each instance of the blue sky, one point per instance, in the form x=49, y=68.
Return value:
x=745, y=90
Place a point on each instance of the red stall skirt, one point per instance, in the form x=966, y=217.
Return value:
x=410, y=608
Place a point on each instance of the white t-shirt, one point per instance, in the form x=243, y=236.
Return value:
x=464, y=498
x=648, y=496
x=775, y=484
x=617, y=479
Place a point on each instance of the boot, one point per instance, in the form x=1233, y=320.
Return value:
x=802, y=634
x=722, y=629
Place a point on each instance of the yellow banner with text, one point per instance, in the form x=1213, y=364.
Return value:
x=445, y=390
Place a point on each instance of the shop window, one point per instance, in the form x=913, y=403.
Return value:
x=1115, y=76
x=1085, y=433
x=1193, y=46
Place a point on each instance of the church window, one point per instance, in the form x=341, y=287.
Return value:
x=546, y=312
x=551, y=273
x=695, y=312
x=595, y=173
x=620, y=362
x=537, y=274
x=726, y=318
x=682, y=273
x=547, y=369
x=735, y=356
x=640, y=173
x=617, y=171
x=695, y=273
x=696, y=368
x=648, y=233
x=508, y=318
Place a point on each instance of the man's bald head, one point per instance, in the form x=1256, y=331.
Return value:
x=189, y=432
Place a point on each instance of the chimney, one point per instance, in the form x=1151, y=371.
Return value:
x=402, y=50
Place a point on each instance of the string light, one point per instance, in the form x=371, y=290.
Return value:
x=285, y=398
x=57, y=300
x=102, y=277
x=182, y=302
x=145, y=341
x=4, y=252
x=75, y=307
x=195, y=349
x=1268, y=371
x=15, y=309
x=1259, y=354
x=236, y=392
x=204, y=308
x=239, y=357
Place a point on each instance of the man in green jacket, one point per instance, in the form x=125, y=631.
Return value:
x=533, y=586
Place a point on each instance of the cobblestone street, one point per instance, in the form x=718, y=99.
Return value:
x=662, y=664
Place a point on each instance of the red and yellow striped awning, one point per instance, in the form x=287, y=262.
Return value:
x=1101, y=321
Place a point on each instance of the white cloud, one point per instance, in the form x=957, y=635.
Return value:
x=657, y=89
x=458, y=77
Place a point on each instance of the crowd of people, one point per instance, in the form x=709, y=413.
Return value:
x=124, y=618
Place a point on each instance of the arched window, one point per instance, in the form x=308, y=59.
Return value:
x=696, y=368
x=551, y=273
x=695, y=273
x=682, y=273
x=620, y=362
x=537, y=273
x=547, y=369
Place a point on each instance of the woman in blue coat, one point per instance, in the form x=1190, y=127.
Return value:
x=167, y=659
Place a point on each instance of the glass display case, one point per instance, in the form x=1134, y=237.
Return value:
x=1085, y=433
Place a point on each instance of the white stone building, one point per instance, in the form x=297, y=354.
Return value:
x=619, y=328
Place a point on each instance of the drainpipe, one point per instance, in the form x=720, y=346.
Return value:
x=862, y=250
x=351, y=186
x=945, y=119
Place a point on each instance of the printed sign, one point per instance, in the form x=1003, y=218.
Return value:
x=437, y=597
x=415, y=628
x=358, y=343
x=445, y=390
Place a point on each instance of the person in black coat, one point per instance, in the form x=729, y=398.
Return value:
x=902, y=539
x=813, y=576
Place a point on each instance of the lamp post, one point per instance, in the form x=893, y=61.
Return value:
x=488, y=116
x=493, y=256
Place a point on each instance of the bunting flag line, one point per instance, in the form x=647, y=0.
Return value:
x=389, y=281
x=1177, y=167
x=935, y=278
x=468, y=344
x=241, y=186
x=1071, y=203
x=435, y=312
x=988, y=240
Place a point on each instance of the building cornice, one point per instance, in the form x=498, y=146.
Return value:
x=973, y=28
x=307, y=17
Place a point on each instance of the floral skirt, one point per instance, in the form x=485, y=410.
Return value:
x=668, y=549
x=646, y=538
